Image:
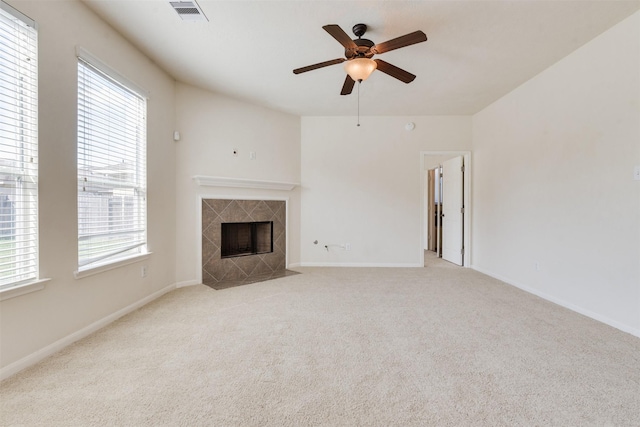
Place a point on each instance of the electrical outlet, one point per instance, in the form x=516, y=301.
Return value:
x=347, y=246
x=636, y=173
x=536, y=266
x=143, y=271
x=252, y=155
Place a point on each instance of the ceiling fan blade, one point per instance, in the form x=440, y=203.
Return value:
x=342, y=37
x=402, y=41
x=319, y=65
x=347, y=87
x=393, y=71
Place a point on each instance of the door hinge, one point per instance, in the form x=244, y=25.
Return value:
x=462, y=168
x=462, y=251
x=462, y=210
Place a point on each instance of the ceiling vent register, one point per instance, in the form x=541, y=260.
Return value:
x=189, y=10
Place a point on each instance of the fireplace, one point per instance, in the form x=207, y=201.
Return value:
x=255, y=231
x=246, y=238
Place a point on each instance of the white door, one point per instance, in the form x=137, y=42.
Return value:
x=452, y=213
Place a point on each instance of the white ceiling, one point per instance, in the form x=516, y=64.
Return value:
x=477, y=50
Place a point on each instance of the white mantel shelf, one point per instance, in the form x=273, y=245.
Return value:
x=219, y=181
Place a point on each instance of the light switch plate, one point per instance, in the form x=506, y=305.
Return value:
x=636, y=173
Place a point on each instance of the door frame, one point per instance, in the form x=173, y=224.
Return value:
x=467, y=201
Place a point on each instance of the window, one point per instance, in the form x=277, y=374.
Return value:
x=18, y=148
x=111, y=168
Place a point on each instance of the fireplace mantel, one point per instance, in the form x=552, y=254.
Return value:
x=219, y=181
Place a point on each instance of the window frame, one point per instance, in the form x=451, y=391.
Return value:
x=116, y=259
x=24, y=209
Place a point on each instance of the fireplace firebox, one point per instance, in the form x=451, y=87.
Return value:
x=246, y=238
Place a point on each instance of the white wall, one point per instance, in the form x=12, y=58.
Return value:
x=34, y=321
x=552, y=181
x=362, y=185
x=212, y=126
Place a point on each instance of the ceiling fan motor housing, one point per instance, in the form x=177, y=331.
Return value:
x=363, y=50
x=364, y=45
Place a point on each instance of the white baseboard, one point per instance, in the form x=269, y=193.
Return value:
x=293, y=265
x=358, y=264
x=595, y=316
x=188, y=283
x=55, y=347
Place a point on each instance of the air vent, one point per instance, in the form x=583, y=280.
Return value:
x=188, y=10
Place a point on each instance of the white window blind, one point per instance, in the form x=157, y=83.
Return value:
x=111, y=169
x=18, y=148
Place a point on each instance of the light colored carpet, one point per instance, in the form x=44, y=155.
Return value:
x=441, y=346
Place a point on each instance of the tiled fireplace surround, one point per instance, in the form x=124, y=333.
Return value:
x=221, y=270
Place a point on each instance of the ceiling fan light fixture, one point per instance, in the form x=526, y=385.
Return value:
x=360, y=68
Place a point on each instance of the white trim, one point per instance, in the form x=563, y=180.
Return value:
x=39, y=355
x=188, y=283
x=595, y=316
x=88, y=57
x=19, y=15
x=79, y=274
x=467, y=202
x=361, y=264
x=25, y=288
x=219, y=181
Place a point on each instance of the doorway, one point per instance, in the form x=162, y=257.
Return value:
x=446, y=202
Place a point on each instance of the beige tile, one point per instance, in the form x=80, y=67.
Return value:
x=274, y=205
x=280, y=243
x=209, y=250
x=213, y=233
x=208, y=215
x=246, y=263
x=218, y=205
x=278, y=230
x=234, y=213
x=234, y=273
x=248, y=205
x=261, y=268
x=273, y=260
x=207, y=278
x=281, y=214
x=261, y=212
x=217, y=268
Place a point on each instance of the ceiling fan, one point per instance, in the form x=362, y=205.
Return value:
x=358, y=53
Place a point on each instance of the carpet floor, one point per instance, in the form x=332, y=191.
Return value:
x=439, y=346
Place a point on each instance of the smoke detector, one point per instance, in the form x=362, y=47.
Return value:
x=189, y=10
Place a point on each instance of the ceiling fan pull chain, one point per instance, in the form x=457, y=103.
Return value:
x=359, y=81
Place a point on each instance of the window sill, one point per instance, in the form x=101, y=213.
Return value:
x=79, y=274
x=23, y=289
